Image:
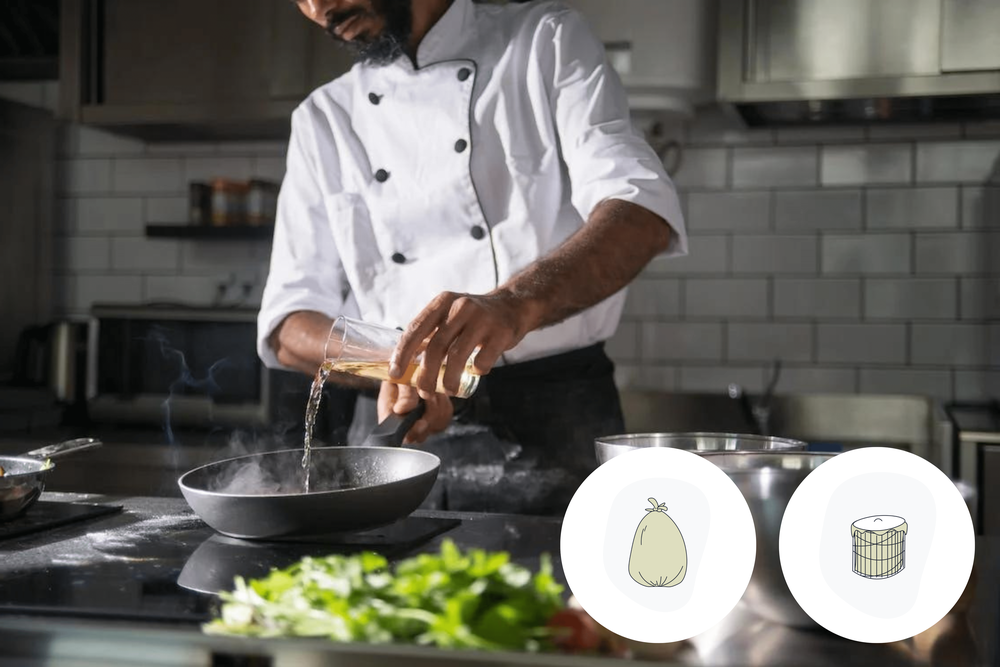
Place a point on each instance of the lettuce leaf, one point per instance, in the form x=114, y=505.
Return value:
x=476, y=599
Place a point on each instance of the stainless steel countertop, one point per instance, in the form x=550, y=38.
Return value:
x=967, y=637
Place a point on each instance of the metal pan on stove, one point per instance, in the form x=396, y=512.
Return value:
x=262, y=496
x=23, y=478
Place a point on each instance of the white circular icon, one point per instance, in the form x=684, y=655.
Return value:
x=876, y=545
x=658, y=545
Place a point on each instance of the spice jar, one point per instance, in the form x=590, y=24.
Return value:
x=262, y=202
x=199, y=203
x=228, y=202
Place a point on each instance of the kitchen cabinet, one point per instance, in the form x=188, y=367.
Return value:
x=225, y=69
x=664, y=51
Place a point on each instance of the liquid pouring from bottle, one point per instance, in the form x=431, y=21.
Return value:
x=365, y=349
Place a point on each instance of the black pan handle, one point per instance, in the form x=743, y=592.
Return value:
x=391, y=430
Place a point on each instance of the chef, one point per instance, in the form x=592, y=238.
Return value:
x=476, y=181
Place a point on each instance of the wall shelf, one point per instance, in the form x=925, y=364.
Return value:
x=208, y=232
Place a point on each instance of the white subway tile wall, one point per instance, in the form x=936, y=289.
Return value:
x=767, y=342
x=776, y=255
x=726, y=297
x=867, y=164
x=875, y=344
x=958, y=162
x=818, y=380
x=866, y=259
x=914, y=131
x=910, y=208
x=624, y=345
x=980, y=206
x=204, y=168
x=960, y=253
x=907, y=381
x=710, y=378
x=911, y=299
x=101, y=215
x=147, y=175
x=775, y=167
x=867, y=254
x=110, y=187
x=654, y=298
x=817, y=299
x=972, y=386
x=703, y=168
x=729, y=211
x=814, y=210
x=980, y=299
x=820, y=135
x=83, y=177
x=168, y=209
x=680, y=341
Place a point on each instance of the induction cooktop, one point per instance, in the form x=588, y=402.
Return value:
x=44, y=515
x=164, y=568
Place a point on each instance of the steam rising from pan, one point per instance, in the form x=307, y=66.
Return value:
x=273, y=473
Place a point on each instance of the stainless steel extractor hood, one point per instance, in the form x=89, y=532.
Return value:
x=836, y=61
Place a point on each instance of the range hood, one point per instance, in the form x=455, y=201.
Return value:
x=789, y=62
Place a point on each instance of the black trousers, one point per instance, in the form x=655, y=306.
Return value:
x=524, y=441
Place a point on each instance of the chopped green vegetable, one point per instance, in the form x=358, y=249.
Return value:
x=476, y=599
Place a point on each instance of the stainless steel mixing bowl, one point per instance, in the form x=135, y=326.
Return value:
x=767, y=481
x=615, y=445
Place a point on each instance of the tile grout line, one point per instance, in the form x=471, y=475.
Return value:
x=908, y=345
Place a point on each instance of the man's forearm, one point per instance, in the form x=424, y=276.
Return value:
x=600, y=259
x=299, y=342
x=300, y=339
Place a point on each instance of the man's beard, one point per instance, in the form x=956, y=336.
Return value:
x=388, y=45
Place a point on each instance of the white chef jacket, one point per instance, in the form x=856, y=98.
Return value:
x=403, y=182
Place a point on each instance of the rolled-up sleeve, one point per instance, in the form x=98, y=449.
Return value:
x=306, y=272
x=605, y=156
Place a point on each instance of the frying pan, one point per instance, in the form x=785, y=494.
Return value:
x=24, y=476
x=262, y=496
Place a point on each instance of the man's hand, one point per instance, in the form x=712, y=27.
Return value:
x=401, y=398
x=455, y=326
x=601, y=258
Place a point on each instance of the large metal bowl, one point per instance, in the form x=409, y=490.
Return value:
x=611, y=446
x=767, y=481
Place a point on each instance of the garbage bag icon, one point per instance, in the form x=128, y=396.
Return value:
x=659, y=556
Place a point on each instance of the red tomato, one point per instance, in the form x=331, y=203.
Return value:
x=576, y=631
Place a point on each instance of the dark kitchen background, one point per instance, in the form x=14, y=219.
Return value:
x=856, y=241
x=839, y=166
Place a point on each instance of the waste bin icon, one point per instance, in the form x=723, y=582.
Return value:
x=879, y=546
x=659, y=556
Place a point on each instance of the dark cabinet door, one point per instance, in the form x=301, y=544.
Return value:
x=305, y=56
x=328, y=60
x=186, y=51
x=191, y=69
